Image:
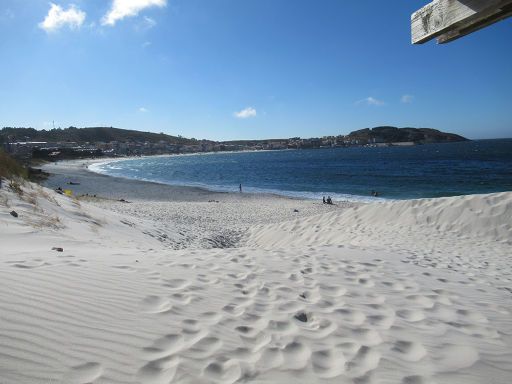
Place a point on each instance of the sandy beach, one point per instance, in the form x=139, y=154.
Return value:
x=183, y=285
x=183, y=217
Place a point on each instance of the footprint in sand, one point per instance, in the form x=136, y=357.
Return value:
x=452, y=358
x=245, y=355
x=225, y=371
x=234, y=310
x=262, y=308
x=472, y=316
x=367, y=337
x=475, y=330
x=295, y=277
x=164, y=346
x=366, y=282
x=256, y=321
x=256, y=342
x=160, y=371
x=127, y=268
x=83, y=374
x=395, y=286
x=154, y=304
x=442, y=312
x=31, y=264
x=332, y=290
x=204, y=348
x=296, y=355
x=416, y=379
x=247, y=331
x=328, y=363
x=366, y=360
x=351, y=316
x=349, y=348
x=191, y=326
x=187, y=266
x=409, y=350
x=267, y=293
x=243, y=301
x=271, y=358
x=176, y=284
x=282, y=328
x=411, y=315
x=317, y=329
x=328, y=306
x=204, y=279
x=181, y=298
x=210, y=317
x=421, y=300
x=384, y=321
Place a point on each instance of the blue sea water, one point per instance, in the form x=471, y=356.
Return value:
x=432, y=170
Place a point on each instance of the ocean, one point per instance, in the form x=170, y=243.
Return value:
x=432, y=170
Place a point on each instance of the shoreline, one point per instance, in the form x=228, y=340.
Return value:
x=183, y=217
x=113, y=187
x=75, y=169
x=67, y=171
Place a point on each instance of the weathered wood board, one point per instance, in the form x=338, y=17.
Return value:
x=450, y=19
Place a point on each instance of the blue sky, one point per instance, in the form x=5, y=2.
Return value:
x=240, y=69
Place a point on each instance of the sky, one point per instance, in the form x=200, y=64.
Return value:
x=247, y=69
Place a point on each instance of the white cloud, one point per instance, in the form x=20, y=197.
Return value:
x=129, y=8
x=246, y=113
x=371, y=101
x=406, y=99
x=148, y=22
x=143, y=110
x=57, y=18
x=146, y=44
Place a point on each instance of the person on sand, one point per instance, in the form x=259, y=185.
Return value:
x=324, y=200
x=240, y=187
x=329, y=201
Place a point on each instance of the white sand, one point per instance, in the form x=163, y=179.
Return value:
x=400, y=292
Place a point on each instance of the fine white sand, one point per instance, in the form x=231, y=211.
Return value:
x=400, y=292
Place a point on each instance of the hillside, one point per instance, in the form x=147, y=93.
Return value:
x=384, y=134
x=393, y=135
x=94, y=134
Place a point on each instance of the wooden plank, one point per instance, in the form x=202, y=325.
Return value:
x=456, y=18
x=483, y=22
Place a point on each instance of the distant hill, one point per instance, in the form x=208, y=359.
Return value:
x=93, y=134
x=108, y=134
x=395, y=135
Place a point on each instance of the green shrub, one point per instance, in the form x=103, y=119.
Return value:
x=10, y=168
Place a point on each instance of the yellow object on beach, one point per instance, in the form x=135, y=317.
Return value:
x=68, y=192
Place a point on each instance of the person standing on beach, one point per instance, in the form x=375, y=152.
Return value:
x=240, y=187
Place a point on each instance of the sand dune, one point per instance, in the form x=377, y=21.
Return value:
x=484, y=218
x=400, y=292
